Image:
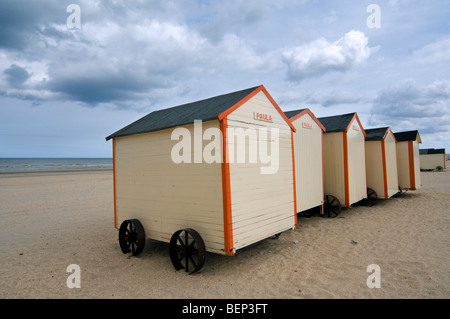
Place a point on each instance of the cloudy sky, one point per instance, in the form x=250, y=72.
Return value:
x=64, y=89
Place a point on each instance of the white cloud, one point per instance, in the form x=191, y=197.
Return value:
x=435, y=52
x=320, y=56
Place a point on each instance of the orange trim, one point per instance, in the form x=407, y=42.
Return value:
x=226, y=192
x=308, y=111
x=412, y=176
x=248, y=97
x=295, y=187
x=114, y=180
x=323, y=178
x=445, y=162
x=346, y=171
x=387, y=133
x=385, y=182
x=359, y=122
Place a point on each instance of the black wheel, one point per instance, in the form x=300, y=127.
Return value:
x=371, y=197
x=187, y=250
x=131, y=237
x=332, y=206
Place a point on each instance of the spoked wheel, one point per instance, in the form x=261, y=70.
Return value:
x=332, y=206
x=131, y=237
x=187, y=250
x=371, y=197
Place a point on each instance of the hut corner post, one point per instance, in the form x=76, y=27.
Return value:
x=385, y=178
x=226, y=192
x=412, y=176
x=114, y=180
x=295, y=187
x=346, y=172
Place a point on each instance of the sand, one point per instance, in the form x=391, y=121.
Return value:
x=51, y=220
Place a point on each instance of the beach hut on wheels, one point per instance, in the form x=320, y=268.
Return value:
x=381, y=163
x=308, y=156
x=408, y=160
x=344, y=162
x=432, y=159
x=214, y=175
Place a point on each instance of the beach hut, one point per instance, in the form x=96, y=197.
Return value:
x=344, y=162
x=308, y=156
x=432, y=159
x=214, y=175
x=408, y=160
x=381, y=162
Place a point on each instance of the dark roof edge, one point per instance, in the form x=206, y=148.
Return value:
x=122, y=131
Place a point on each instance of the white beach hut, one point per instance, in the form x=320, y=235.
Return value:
x=432, y=159
x=381, y=162
x=218, y=197
x=344, y=162
x=408, y=160
x=308, y=156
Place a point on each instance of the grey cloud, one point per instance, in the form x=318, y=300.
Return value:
x=413, y=106
x=334, y=98
x=16, y=75
x=20, y=20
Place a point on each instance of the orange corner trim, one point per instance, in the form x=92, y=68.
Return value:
x=308, y=111
x=385, y=182
x=359, y=122
x=412, y=176
x=295, y=187
x=346, y=171
x=226, y=192
x=114, y=180
x=248, y=97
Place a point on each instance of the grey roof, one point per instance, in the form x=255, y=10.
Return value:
x=376, y=134
x=336, y=123
x=290, y=114
x=204, y=110
x=432, y=151
x=406, y=136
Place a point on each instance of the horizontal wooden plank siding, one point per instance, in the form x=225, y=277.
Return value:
x=356, y=162
x=391, y=164
x=262, y=204
x=374, y=167
x=308, y=163
x=166, y=196
x=333, y=157
x=416, y=153
x=404, y=181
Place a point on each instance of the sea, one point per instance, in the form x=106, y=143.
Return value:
x=37, y=164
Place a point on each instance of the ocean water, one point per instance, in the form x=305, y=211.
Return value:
x=35, y=164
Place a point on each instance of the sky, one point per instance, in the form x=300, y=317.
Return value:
x=69, y=78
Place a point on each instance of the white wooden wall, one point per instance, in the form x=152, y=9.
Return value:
x=374, y=167
x=166, y=196
x=333, y=156
x=356, y=162
x=404, y=181
x=391, y=164
x=308, y=163
x=417, y=164
x=262, y=204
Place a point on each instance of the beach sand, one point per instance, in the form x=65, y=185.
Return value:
x=51, y=220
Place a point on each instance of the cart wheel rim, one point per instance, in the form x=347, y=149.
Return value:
x=187, y=250
x=131, y=237
x=332, y=206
